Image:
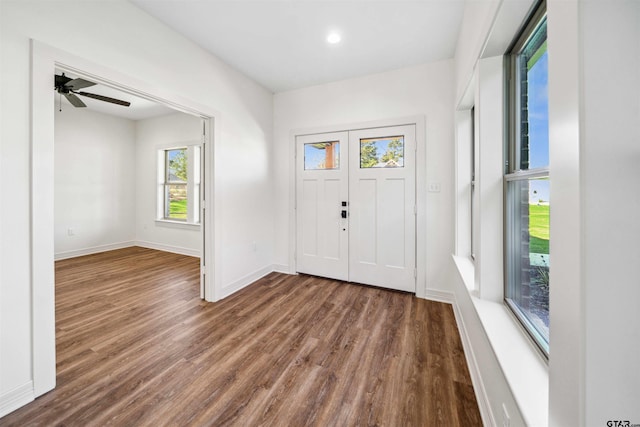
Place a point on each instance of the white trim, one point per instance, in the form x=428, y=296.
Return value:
x=521, y=175
x=131, y=243
x=282, y=268
x=245, y=281
x=489, y=194
x=419, y=121
x=421, y=206
x=343, y=127
x=462, y=183
x=210, y=216
x=43, y=350
x=14, y=399
x=482, y=397
x=168, y=248
x=177, y=224
x=503, y=340
x=178, y=144
x=93, y=250
x=446, y=297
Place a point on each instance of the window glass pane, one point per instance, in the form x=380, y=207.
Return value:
x=196, y=165
x=528, y=230
x=177, y=165
x=473, y=182
x=534, y=102
x=322, y=155
x=176, y=199
x=385, y=152
x=196, y=203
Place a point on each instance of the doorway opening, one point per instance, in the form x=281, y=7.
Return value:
x=128, y=172
x=45, y=61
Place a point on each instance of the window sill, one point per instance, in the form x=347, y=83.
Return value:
x=523, y=366
x=466, y=268
x=177, y=224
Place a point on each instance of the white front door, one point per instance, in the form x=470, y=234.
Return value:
x=356, y=206
x=382, y=248
x=322, y=187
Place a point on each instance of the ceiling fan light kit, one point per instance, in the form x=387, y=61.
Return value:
x=70, y=89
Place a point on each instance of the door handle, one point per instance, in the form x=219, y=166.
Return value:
x=344, y=214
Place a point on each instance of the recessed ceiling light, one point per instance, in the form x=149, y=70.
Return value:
x=333, y=38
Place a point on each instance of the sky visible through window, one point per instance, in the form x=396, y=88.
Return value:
x=538, y=106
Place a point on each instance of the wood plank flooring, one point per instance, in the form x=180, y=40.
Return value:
x=137, y=347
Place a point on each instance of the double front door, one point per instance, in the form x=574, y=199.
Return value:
x=355, y=206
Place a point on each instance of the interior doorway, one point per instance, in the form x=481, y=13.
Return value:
x=128, y=172
x=356, y=206
x=44, y=61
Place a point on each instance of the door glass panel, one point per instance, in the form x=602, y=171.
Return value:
x=387, y=152
x=322, y=155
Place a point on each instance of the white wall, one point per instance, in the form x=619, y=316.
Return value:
x=121, y=37
x=594, y=105
x=94, y=182
x=477, y=22
x=423, y=90
x=611, y=202
x=151, y=135
x=105, y=182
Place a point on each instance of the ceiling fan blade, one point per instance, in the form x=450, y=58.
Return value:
x=74, y=100
x=105, y=98
x=76, y=84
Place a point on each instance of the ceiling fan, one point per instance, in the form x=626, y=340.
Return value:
x=69, y=88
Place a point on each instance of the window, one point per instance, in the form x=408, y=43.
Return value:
x=385, y=152
x=179, y=184
x=472, y=192
x=527, y=181
x=322, y=155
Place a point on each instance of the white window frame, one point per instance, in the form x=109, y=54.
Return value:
x=514, y=173
x=193, y=184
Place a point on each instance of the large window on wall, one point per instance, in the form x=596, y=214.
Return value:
x=178, y=195
x=527, y=203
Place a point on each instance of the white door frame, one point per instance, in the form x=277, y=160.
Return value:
x=421, y=186
x=44, y=60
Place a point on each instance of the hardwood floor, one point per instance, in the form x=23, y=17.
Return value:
x=136, y=346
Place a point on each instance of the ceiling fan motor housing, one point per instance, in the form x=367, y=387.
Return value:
x=67, y=86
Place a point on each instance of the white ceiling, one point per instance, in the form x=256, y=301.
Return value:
x=139, y=109
x=282, y=44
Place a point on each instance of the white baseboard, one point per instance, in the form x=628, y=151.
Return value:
x=439, y=296
x=168, y=248
x=245, y=281
x=121, y=245
x=474, y=370
x=93, y=250
x=14, y=399
x=281, y=268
